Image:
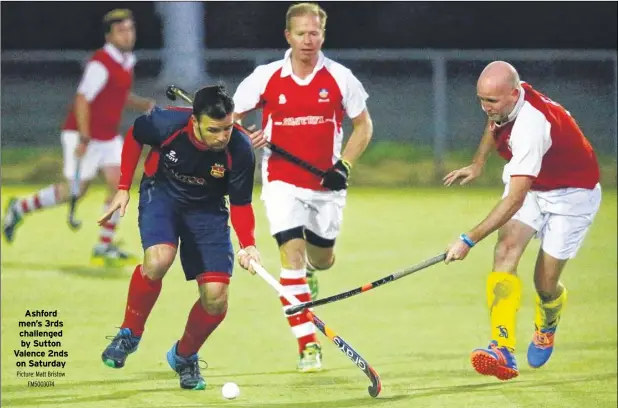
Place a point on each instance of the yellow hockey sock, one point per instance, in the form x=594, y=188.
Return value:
x=503, y=300
x=548, y=313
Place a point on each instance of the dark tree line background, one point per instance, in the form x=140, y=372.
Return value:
x=580, y=25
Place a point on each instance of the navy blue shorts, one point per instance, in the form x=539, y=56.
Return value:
x=205, y=244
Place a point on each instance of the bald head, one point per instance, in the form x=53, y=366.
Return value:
x=499, y=74
x=498, y=89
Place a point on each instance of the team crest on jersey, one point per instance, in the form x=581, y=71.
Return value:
x=217, y=170
x=323, y=94
x=282, y=99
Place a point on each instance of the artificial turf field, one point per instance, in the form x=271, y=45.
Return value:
x=417, y=332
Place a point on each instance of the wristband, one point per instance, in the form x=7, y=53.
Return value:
x=466, y=239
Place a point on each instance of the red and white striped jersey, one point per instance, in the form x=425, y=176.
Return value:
x=105, y=84
x=542, y=140
x=303, y=116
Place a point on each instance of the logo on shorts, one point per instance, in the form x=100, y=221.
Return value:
x=217, y=170
x=171, y=156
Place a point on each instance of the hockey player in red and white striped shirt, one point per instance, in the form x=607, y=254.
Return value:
x=90, y=136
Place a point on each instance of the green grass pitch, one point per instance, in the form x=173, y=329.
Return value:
x=417, y=333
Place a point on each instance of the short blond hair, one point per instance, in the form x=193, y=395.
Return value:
x=302, y=9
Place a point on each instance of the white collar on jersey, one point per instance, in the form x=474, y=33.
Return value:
x=520, y=102
x=126, y=59
x=286, y=70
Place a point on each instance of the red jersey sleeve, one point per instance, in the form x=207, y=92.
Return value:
x=243, y=221
x=131, y=151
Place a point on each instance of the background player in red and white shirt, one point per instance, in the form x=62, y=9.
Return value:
x=303, y=99
x=90, y=135
x=552, y=192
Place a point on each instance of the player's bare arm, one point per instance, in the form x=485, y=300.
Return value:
x=257, y=137
x=336, y=178
x=131, y=151
x=360, y=137
x=503, y=212
x=474, y=170
x=139, y=103
x=82, y=116
x=93, y=81
x=506, y=208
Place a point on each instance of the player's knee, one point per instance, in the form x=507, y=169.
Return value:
x=62, y=192
x=320, y=261
x=548, y=294
x=214, y=301
x=320, y=251
x=292, y=256
x=156, y=268
x=547, y=289
x=157, y=260
x=112, y=176
x=215, y=307
x=507, y=251
x=291, y=247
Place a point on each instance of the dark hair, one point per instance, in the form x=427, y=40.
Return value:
x=213, y=102
x=115, y=16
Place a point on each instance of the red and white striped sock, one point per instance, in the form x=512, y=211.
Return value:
x=43, y=198
x=295, y=282
x=108, y=230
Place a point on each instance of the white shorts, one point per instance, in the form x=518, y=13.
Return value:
x=561, y=217
x=100, y=153
x=288, y=207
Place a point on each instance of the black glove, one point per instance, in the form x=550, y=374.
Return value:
x=336, y=178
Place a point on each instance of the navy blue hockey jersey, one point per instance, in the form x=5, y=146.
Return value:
x=186, y=169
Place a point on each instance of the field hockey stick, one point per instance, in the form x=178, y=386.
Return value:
x=376, y=385
x=368, y=286
x=172, y=92
x=74, y=224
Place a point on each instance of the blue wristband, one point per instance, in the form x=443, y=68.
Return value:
x=467, y=240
